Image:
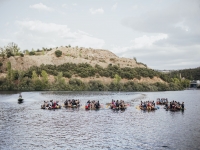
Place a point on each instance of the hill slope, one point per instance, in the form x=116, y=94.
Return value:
x=71, y=55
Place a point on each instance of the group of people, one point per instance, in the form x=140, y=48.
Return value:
x=174, y=105
x=91, y=105
x=161, y=101
x=147, y=105
x=50, y=105
x=72, y=103
x=118, y=104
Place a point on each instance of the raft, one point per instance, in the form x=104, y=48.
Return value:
x=57, y=107
x=20, y=100
x=118, y=108
x=89, y=108
x=159, y=103
x=73, y=106
x=174, y=109
x=155, y=108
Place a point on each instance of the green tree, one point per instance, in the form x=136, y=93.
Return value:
x=44, y=79
x=58, y=53
x=34, y=75
x=117, y=79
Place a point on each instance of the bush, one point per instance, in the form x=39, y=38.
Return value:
x=31, y=53
x=58, y=53
x=9, y=54
x=21, y=54
x=1, y=64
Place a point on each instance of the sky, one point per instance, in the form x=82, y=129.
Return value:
x=163, y=34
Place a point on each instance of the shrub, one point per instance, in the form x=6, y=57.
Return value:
x=1, y=64
x=9, y=54
x=21, y=54
x=32, y=53
x=58, y=53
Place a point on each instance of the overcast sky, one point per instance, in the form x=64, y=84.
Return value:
x=164, y=34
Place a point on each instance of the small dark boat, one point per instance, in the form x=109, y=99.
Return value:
x=20, y=100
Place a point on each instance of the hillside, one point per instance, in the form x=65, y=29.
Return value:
x=80, y=69
x=71, y=55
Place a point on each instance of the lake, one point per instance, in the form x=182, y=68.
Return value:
x=26, y=126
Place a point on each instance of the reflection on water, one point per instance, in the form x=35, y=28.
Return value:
x=26, y=126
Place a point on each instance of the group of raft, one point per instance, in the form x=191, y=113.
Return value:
x=172, y=106
x=116, y=105
x=90, y=105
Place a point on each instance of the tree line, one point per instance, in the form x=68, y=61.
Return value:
x=36, y=78
x=191, y=74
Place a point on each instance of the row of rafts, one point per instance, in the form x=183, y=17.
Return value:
x=115, y=105
x=90, y=105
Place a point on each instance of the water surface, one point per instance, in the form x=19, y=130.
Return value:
x=26, y=126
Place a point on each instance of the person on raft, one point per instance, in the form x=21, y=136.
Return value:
x=92, y=105
x=117, y=105
x=72, y=103
x=174, y=105
x=149, y=105
x=50, y=104
x=20, y=96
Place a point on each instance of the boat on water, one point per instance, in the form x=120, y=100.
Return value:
x=174, y=109
x=148, y=109
x=20, y=99
x=93, y=105
x=117, y=105
x=74, y=103
x=51, y=105
x=72, y=106
x=50, y=108
x=118, y=108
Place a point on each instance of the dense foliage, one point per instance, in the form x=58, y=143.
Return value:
x=58, y=53
x=36, y=78
x=191, y=74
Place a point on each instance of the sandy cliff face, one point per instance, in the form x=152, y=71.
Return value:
x=73, y=55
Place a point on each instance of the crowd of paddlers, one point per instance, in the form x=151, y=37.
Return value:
x=72, y=103
x=91, y=105
x=117, y=104
x=51, y=105
x=174, y=105
x=147, y=105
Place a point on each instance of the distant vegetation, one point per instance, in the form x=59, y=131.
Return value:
x=36, y=78
x=191, y=74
